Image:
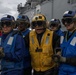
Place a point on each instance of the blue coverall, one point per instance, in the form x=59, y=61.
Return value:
x=13, y=45
x=68, y=46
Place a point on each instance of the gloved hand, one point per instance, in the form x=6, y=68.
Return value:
x=62, y=59
x=58, y=58
x=1, y=49
x=1, y=53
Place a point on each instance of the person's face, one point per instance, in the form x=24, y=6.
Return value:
x=69, y=27
x=39, y=27
x=22, y=26
x=54, y=27
x=69, y=24
x=6, y=27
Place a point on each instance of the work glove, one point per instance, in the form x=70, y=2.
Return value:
x=62, y=59
x=1, y=52
x=58, y=58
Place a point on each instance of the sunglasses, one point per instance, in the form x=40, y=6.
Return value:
x=67, y=20
x=7, y=23
x=38, y=23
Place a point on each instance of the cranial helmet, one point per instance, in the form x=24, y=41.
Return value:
x=39, y=17
x=40, y=20
x=69, y=17
x=8, y=18
x=55, y=23
x=23, y=18
x=69, y=14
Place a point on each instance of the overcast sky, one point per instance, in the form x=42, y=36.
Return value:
x=10, y=7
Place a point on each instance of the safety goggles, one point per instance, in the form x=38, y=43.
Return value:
x=67, y=20
x=7, y=23
x=53, y=25
x=38, y=23
x=21, y=23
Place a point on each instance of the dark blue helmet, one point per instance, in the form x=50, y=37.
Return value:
x=23, y=18
x=69, y=14
x=69, y=17
x=56, y=21
x=8, y=18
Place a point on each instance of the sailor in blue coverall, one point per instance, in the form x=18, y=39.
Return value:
x=11, y=52
x=67, y=57
x=55, y=25
x=23, y=24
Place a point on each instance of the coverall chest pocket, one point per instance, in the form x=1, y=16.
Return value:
x=7, y=49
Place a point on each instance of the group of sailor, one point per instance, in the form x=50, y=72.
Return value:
x=43, y=50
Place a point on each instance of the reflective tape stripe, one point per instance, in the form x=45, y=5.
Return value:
x=73, y=42
x=0, y=40
x=10, y=40
x=23, y=36
x=47, y=40
x=32, y=39
x=61, y=39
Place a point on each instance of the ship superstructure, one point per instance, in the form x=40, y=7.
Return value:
x=50, y=8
